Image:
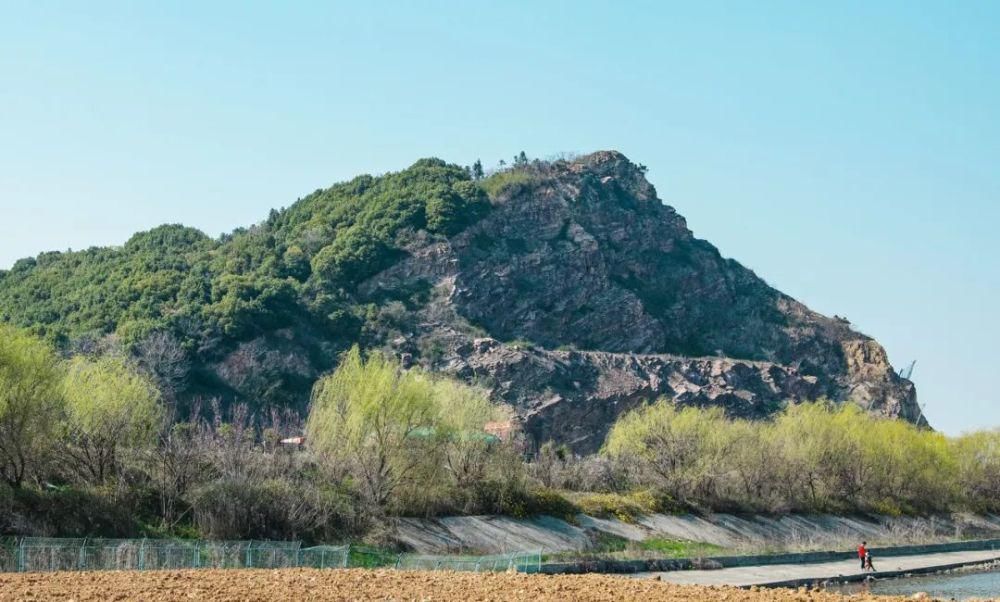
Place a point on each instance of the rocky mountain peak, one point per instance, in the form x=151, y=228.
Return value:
x=567, y=288
x=581, y=295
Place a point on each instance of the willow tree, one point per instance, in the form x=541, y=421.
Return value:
x=978, y=459
x=681, y=450
x=390, y=428
x=110, y=408
x=468, y=451
x=30, y=403
x=369, y=416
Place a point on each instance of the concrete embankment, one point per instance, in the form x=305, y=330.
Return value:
x=807, y=574
x=498, y=534
x=954, y=553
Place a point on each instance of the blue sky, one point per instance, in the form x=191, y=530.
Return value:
x=847, y=152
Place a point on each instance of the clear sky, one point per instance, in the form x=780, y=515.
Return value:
x=847, y=152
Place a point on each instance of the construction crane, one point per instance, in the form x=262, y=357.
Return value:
x=907, y=372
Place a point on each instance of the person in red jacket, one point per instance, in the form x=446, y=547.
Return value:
x=862, y=552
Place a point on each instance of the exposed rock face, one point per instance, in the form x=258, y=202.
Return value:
x=621, y=305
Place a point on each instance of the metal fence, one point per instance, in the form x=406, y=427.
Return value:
x=42, y=554
x=37, y=554
x=522, y=562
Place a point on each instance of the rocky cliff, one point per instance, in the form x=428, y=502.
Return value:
x=581, y=295
x=567, y=288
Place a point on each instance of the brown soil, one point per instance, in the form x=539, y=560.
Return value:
x=357, y=584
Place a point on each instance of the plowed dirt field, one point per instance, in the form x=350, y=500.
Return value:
x=358, y=584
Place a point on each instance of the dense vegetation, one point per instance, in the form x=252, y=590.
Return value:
x=86, y=448
x=173, y=291
x=813, y=457
x=135, y=398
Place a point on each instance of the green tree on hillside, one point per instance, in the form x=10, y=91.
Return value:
x=812, y=457
x=31, y=404
x=369, y=415
x=111, y=409
x=391, y=428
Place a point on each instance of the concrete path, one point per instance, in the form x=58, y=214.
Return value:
x=839, y=570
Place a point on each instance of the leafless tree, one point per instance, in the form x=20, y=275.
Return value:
x=162, y=356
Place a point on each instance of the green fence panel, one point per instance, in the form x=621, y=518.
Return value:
x=161, y=554
x=364, y=557
x=8, y=554
x=111, y=555
x=222, y=554
x=527, y=562
x=324, y=557
x=273, y=554
x=519, y=561
x=43, y=554
x=40, y=554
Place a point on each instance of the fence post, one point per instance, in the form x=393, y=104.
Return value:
x=20, y=556
x=142, y=554
x=399, y=559
x=249, y=560
x=81, y=562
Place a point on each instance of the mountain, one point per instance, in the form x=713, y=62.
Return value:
x=566, y=287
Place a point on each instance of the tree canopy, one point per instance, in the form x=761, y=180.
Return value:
x=386, y=425
x=31, y=402
x=109, y=406
x=298, y=268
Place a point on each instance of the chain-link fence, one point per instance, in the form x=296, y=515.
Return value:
x=37, y=554
x=42, y=554
x=8, y=554
x=324, y=557
x=522, y=562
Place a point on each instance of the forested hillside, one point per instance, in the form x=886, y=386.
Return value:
x=180, y=300
x=145, y=389
x=566, y=288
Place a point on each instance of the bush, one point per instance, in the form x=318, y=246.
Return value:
x=68, y=512
x=625, y=507
x=509, y=182
x=812, y=457
x=274, y=509
x=541, y=501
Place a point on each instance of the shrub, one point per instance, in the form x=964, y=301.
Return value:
x=509, y=182
x=812, y=457
x=273, y=509
x=541, y=501
x=68, y=512
x=624, y=507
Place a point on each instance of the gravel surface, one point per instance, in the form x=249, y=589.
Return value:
x=246, y=585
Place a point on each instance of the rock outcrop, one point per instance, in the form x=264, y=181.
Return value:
x=581, y=295
x=567, y=288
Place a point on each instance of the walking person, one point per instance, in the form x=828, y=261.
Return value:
x=863, y=553
x=868, y=561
